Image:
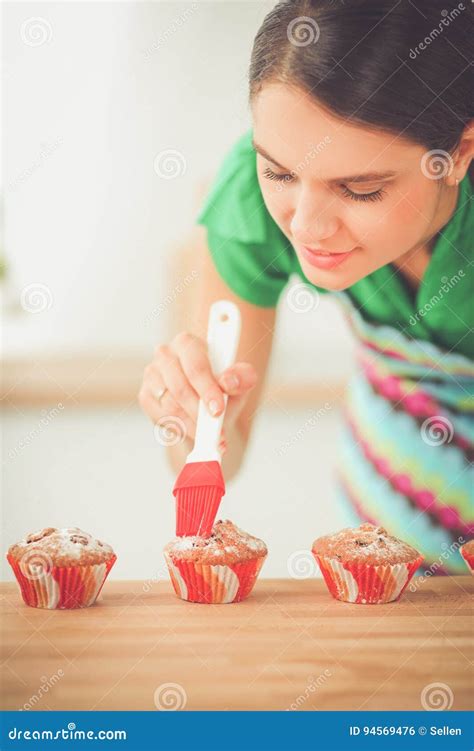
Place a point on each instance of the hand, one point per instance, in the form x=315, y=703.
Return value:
x=183, y=367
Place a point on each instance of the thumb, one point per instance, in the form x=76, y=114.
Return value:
x=238, y=379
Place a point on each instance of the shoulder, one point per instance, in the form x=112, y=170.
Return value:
x=234, y=205
x=249, y=250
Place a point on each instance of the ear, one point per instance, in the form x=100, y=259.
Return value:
x=463, y=155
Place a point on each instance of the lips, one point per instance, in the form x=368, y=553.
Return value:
x=322, y=252
x=324, y=259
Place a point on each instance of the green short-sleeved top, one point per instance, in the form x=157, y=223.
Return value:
x=256, y=260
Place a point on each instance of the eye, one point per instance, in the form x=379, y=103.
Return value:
x=270, y=175
x=377, y=195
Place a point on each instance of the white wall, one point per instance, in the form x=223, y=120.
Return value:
x=85, y=114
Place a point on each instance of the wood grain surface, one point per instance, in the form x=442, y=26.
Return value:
x=289, y=646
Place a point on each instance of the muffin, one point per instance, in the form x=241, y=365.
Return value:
x=220, y=568
x=365, y=565
x=60, y=568
x=467, y=552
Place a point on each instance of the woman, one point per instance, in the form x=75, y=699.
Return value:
x=355, y=177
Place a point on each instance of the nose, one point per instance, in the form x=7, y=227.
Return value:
x=315, y=218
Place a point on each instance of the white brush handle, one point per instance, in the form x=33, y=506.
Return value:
x=223, y=333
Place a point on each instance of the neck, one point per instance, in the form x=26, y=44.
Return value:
x=413, y=264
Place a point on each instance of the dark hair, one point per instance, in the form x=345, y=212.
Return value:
x=404, y=67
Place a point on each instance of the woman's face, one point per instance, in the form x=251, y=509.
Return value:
x=363, y=196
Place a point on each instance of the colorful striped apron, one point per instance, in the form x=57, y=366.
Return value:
x=407, y=443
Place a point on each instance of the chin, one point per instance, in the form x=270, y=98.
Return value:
x=336, y=287
x=333, y=284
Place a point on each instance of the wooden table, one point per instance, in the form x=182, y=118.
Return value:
x=290, y=645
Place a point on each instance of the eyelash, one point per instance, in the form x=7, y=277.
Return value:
x=377, y=195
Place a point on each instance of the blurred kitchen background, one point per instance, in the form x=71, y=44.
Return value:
x=94, y=260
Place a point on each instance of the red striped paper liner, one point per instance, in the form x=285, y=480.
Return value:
x=196, y=510
x=366, y=584
x=63, y=587
x=468, y=557
x=213, y=584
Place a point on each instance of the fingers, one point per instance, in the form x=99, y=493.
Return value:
x=183, y=368
x=238, y=379
x=174, y=378
x=195, y=363
x=223, y=446
x=166, y=414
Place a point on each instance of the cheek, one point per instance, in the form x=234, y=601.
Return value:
x=278, y=201
x=397, y=226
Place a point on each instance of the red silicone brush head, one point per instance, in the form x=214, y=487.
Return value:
x=198, y=491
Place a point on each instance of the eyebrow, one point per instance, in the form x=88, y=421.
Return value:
x=368, y=177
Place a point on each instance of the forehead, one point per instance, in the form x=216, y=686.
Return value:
x=291, y=127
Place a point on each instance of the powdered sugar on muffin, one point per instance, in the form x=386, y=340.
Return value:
x=67, y=546
x=365, y=544
x=228, y=544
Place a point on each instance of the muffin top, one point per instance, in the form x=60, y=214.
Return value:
x=468, y=547
x=227, y=544
x=365, y=544
x=69, y=546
